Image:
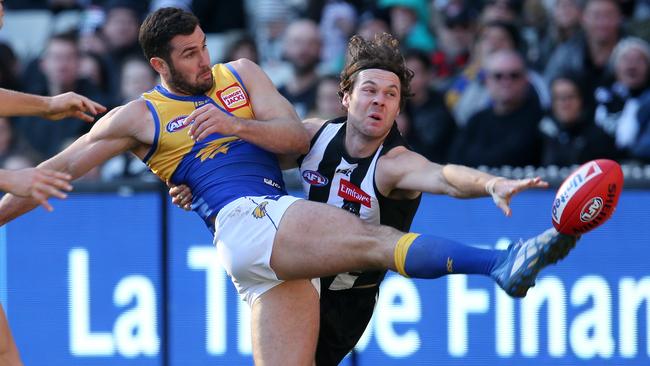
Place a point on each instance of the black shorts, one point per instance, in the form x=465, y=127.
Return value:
x=344, y=316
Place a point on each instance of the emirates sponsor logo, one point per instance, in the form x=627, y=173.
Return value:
x=351, y=192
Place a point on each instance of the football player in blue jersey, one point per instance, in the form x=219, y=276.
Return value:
x=271, y=244
x=370, y=171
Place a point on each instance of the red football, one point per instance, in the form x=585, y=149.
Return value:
x=587, y=198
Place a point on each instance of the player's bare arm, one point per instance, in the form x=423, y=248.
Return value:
x=40, y=184
x=312, y=125
x=57, y=107
x=122, y=129
x=403, y=172
x=276, y=128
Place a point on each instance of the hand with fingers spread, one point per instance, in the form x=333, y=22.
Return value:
x=72, y=105
x=37, y=183
x=208, y=119
x=502, y=190
x=181, y=195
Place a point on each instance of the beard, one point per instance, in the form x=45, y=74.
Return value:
x=178, y=82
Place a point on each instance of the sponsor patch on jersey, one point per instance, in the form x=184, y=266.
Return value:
x=233, y=97
x=351, y=192
x=314, y=178
x=176, y=124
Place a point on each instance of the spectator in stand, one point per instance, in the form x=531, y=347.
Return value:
x=501, y=10
x=617, y=105
x=371, y=25
x=220, y=16
x=328, y=102
x=242, y=47
x=456, y=30
x=302, y=47
x=505, y=133
x=137, y=77
x=337, y=25
x=590, y=51
x=569, y=132
x=120, y=31
x=468, y=93
x=426, y=122
x=9, y=68
x=641, y=149
x=59, y=73
x=409, y=20
x=12, y=144
x=563, y=25
x=94, y=68
x=269, y=20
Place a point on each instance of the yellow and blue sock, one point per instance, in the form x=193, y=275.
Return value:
x=428, y=256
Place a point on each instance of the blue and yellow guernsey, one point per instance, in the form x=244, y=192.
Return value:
x=220, y=168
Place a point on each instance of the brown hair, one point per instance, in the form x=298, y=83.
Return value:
x=381, y=53
x=160, y=27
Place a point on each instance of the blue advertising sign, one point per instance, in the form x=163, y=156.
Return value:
x=83, y=282
x=83, y=287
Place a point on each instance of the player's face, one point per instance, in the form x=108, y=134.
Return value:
x=189, y=71
x=373, y=103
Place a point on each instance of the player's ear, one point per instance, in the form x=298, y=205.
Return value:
x=346, y=100
x=159, y=65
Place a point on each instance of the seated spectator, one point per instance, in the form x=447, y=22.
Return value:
x=641, y=149
x=617, y=105
x=372, y=24
x=427, y=124
x=408, y=22
x=455, y=28
x=589, y=52
x=506, y=132
x=136, y=78
x=569, y=133
x=242, y=47
x=302, y=47
x=12, y=144
x=563, y=24
x=328, y=102
x=468, y=93
x=57, y=72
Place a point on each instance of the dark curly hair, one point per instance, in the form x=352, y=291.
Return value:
x=381, y=53
x=160, y=27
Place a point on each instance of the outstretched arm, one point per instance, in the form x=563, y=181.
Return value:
x=57, y=107
x=112, y=135
x=276, y=126
x=405, y=170
x=40, y=184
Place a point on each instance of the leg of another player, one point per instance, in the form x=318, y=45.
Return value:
x=285, y=324
x=316, y=240
x=8, y=350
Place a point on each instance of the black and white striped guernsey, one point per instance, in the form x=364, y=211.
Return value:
x=329, y=174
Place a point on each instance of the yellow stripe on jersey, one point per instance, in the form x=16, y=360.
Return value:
x=401, y=249
x=172, y=143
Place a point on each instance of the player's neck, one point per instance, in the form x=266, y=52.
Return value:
x=358, y=145
x=171, y=89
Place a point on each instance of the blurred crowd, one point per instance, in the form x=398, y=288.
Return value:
x=496, y=82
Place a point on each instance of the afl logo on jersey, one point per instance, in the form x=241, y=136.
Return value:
x=314, y=178
x=233, y=97
x=176, y=124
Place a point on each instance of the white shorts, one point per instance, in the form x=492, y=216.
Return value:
x=244, y=233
